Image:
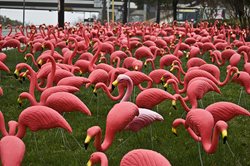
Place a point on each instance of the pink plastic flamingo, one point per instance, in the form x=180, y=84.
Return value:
x=136, y=157
x=200, y=125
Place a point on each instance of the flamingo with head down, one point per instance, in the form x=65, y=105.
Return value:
x=201, y=126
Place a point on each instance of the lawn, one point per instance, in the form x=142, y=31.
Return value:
x=57, y=147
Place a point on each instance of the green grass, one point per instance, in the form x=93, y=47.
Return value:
x=56, y=147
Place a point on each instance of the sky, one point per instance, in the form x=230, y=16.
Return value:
x=38, y=17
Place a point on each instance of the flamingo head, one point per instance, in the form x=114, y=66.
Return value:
x=174, y=104
x=187, y=54
x=19, y=101
x=16, y=73
x=95, y=158
x=222, y=126
x=91, y=132
x=165, y=86
x=174, y=131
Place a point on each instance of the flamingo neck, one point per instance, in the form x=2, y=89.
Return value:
x=101, y=158
x=129, y=90
x=94, y=59
x=21, y=131
x=118, y=62
x=217, y=59
x=180, y=67
x=245, y=57
x=177, y=47
x=208, y=144
x=32, y=58
x=183, y=103
x=31, y=98
x=32, y=80
x=2, y=125
x=229, y=73
x=107, y=91
x=12, y=127
x=74, y=52
x=152, y=63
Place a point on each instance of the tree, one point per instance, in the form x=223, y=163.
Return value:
x=174, y=5
x=125, y=11
x=104, y=10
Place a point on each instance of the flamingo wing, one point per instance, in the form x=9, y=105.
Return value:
x=66, y=102
x=144, y=157
x=59, y=88
x=226, y=111
x=145, y=118
x=40, y=117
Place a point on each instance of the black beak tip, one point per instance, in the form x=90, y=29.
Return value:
x=95, y=94
x=86, y=146
x=175, y=108
x=175, y=134
x=39, y=66
x=113, y=87
x=162, y=82
x=165, y=88
x=224, y=140
x=15, y=75
x=20, y=104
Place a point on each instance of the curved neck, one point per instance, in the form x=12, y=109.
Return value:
x=107, y=91
x=183, y=103
x=208, y=144
x=21, y=131
x=129, y=90
x=229, y=73
x=32, y=58
x=177, y=47
x=93, y=60
x=245, y=57
x=51, y=76
x=10, y=27
x=152, y=63
x=216, y=59
x=74, y=52
x=2, y=125
x=106, y=143
x=28, y=96
x=180, y=67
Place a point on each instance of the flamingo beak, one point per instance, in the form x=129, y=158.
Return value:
x=172, y=68
x=20, y=79
x=80, y=73
x=114, y=84
x=162, y=80
x=166, y=87
x=187, y=56
x=86, y=142
x=95, y=92
x=16, y=73
x=136, y=68
x=174, y=131
x=174, y=104
x=89, y=163
x=145, y=64
x=19, y=101
x=238, y=73
x=40, y=63
x=25, y=59
x=224, y=136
